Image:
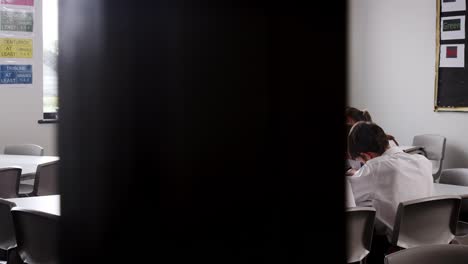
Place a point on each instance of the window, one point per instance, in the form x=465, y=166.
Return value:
x=50, y=53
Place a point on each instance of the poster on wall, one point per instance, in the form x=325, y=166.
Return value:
x=452, y=56
x=15, y=74
x=16, y=48
x=452, y=27
x=453, y=5
x=18, y=2
x=16, y=20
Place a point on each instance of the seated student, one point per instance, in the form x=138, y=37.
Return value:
x=388, y=177
x=354, y=115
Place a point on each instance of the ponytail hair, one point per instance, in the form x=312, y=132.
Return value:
x=358, y=115
x=366, y=116
x=390, y=137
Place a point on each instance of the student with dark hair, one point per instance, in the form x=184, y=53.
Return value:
x=354, y=115
x=364, y=138
x=389, y=176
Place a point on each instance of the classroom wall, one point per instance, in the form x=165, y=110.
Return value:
x=21, y=107
x=391, y=68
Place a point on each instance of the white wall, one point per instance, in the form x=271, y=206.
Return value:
x=20, y=108
x=391, y=72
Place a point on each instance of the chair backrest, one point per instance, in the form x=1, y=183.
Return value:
x=463, y=215
x=426, y=221
x=359, y=229
x=46, y=180
x=24, y=149
x=434, y=254
x=9, y=182
x=457, y=176
x=434, y=146
x=7, y=231
x=36, y=236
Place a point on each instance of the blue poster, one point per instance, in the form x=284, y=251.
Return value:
x=15, y=74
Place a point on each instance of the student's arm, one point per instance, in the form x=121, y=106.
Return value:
x=362, y=186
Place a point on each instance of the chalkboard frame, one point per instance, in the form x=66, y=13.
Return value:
x=438, y=105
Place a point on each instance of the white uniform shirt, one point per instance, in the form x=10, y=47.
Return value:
x=385, y=181
x=349, y=198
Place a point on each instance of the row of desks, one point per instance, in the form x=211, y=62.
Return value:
x=28, y=164
x=439, y=189
x=51, y=203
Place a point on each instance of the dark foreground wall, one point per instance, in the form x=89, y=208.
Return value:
x=201, y=132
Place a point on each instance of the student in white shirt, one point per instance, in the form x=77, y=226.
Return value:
x=354, y=115
x=389, y=175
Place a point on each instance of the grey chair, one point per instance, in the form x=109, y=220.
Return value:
x=460, y=240
x=455, y=176
x=359, y=229
x=458, y=176
x=24, y=149
x=434, y=147
x=36, y=236
x=7, y=232
x=462, y=225
x=46, y=179
x=9, y=182
x=433, y=254
x=426, y=221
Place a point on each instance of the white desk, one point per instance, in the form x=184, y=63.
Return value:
x=48, y=203
x=28, y=164
x=448, y=189
x=439, y=189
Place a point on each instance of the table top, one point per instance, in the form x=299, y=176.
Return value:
x=27, y=163
x=439, y=189
x=48, y=203
x=449, y=189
